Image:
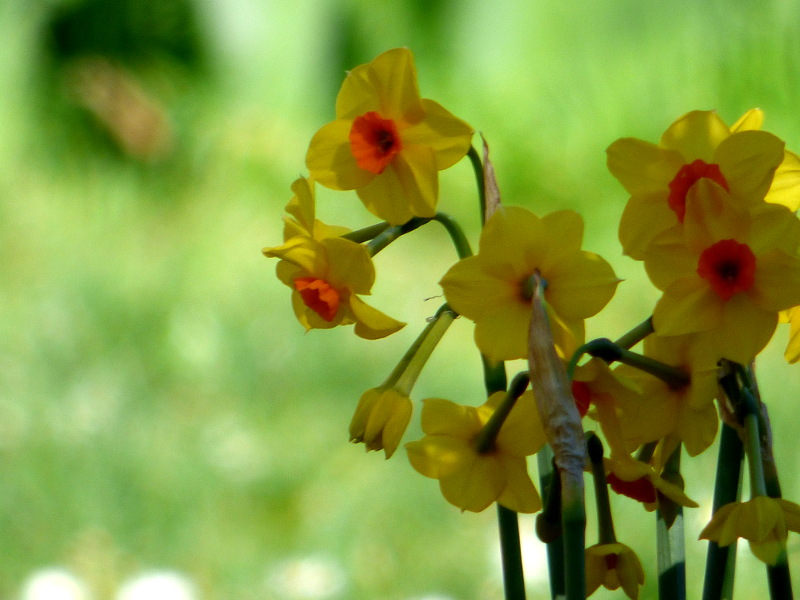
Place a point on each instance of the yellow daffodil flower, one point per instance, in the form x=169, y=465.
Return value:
x=613, y=566
x=381, y=419
x=696, y=147
x=764, y=522
x=686, y=412
x=493, y=287
x=302, y=214
x=724, y=273
x=472, y=479
x=326, y=277
x=387, y=143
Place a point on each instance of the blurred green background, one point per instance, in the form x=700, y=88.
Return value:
x=161, y=408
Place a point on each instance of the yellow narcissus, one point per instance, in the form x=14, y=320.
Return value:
x=792, y=316
x=493, y=288
x=699, y=146
x=764, y=522
x=684, y=411
x=613, y=566
x=472, y=479
x=724, y=274
x=387, y=143
x=326, y=277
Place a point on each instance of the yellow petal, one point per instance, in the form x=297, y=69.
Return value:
x=785, y=187
x=330, y=160
x=513, y=236
x=688, y=305
x=522, y=433
x=388, y=421
x=442, y=417
x=711, y=216
x=564, y=230
x=350, y=265
x=777, y=281
x=447, y=136
x=667, y=258
x=580, y=285
x=370, y=323
x=475, y=485
x=641, y=167
x=474, y=288
x=696, y=135
x=519, y=494
x=408, y=187
x=751, y=120
x=644, y=217
x=748, y=161
x=792, y=354
x=307, y=254
x=503, y=333
x=387, y=85
x=743, y=330
x=697, y=428
x=438, y=456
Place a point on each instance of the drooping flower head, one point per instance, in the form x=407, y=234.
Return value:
x=493, y=288
x=387, y=143
x=764, y=522
x=381, y=418
x=469, y=477
x=613, y=566
x=326, y=277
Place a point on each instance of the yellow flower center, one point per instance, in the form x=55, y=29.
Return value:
x=729, y=267
x=374, y=141
x=319, y=296
x=685, y=178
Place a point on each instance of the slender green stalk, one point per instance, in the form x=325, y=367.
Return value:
x=511, y=553
x=477, y=166
x=636, y=335
x=549, y=521
x=605, y=523
x=488, y=435
x=721, y=561
x=456, y=234
x=405, y=374
x=574, y=523
x=670, y=545
x=390, y=234
x=367, y=233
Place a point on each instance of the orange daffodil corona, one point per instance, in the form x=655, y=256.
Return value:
x=387, y=143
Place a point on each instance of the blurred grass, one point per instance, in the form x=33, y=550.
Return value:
x=159, y=404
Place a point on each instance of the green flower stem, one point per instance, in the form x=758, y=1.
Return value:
x=390, y=234
x=574, y=523
x=367, y=233
x=752, y=445
x=511, y=553
x=636, y=335
x=405, y=374
x=605, y=523
x=494, y=376
x=456, y=234
x=671, y=551
x=610, y=352
x=721, y=561
x=549, y=521
x=486, y=438
x=477, y=166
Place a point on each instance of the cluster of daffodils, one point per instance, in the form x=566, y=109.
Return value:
x=711, y=215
